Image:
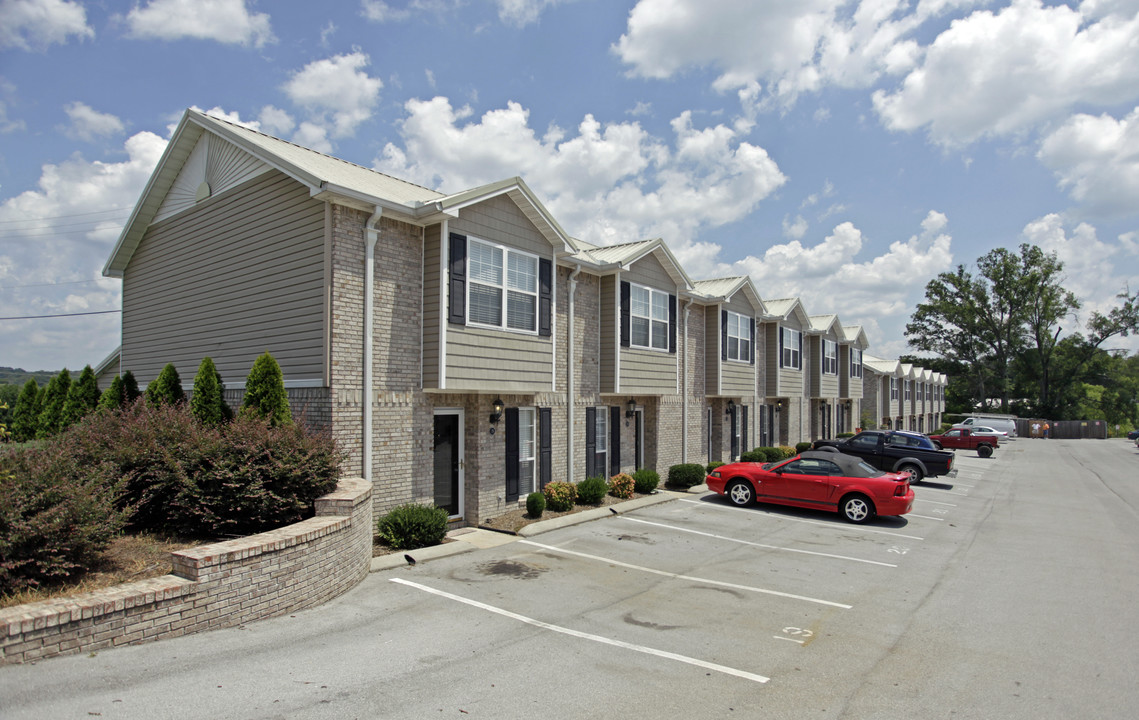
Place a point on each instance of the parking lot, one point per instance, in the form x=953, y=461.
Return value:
x=1007, y=592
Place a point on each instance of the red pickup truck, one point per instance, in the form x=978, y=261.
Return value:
x=963, y=438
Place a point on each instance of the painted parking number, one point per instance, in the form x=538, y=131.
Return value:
x=796, y=635
x=898, y=550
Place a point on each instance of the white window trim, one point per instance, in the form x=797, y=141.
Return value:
x=527, y=485
x=633, y=316
x=893, y=388
x=855, y=367
x=504, y=287
x=830, y=359
x=793, y=348
x=744, y=324
x=601, y=437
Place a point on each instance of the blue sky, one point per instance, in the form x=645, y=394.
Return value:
x=841, y=152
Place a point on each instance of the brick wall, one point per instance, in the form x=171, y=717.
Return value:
x=212, y=586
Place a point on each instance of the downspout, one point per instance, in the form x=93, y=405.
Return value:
x=371, y=235
x=684, y=389
x=571, y=389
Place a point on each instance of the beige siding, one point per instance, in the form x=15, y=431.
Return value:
x=648, y=372
x=498, y=220
x=648, y=271
x=610, y=320
x=498, y=361
x=739, y=379
x=712, y=348
x=433, y=290
x=239, y=274
x=828, y=384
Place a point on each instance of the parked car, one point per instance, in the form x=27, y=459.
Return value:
x=989, y=432
x=895, y=451
x=817, y=479
x=1007, y=424
x=968, y=439
x=1133, y=435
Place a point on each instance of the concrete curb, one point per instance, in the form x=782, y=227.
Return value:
x=544, y=526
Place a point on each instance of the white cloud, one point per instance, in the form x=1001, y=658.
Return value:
x=337, y=91
x=829, y=277
x=88, y=124
x=225, y=21
x=74, y=216
x=1097, y=160
x=275, y=121
x=35, y=24
x=795, y=229
x=381, y=12
x=1002, y=73
x=606, y=183
x=520, y=13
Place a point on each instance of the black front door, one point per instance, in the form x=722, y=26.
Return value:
x=447, y=463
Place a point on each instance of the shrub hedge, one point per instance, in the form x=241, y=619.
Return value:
x=622, y=485
x=591, y=491
x=645, y=481
x=535, y=504
x=560, y=496
x=412, y=526
x=686, y=475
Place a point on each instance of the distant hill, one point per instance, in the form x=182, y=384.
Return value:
x=19, y=376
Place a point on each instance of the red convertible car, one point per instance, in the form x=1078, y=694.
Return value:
x=820, y=480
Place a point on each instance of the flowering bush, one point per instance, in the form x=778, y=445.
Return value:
x=560, y=496
x=621, y=485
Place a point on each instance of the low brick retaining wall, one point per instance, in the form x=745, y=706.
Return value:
x=212, y=586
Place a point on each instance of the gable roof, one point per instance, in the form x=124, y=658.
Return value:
x=614, y=258
x=882, y=367
x=327, y=177
x=783, y=308
x=823, y=324
x=722, y=290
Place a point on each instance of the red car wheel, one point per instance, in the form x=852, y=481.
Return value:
x=857, y=508
x=740, y=493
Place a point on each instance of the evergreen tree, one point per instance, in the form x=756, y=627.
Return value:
x=82, y=398
x=166, y=388
x=265, y=392
x=51, y=416
x=130, y=388
x=25, y=416
x=113, y=397
x=208, y=402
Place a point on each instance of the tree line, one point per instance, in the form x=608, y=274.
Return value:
x=999, y=335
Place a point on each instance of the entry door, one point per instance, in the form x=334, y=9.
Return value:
x=448, y=460
x=639, y=439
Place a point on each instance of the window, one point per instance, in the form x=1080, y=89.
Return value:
x=921, y=392
x=601, y=441
x=792, y=343
x=906, y=389
x=739, y=337
x=503, y=284
x=855, y=363
x=893, y=388
x=649, y=316
x=527, y=446
x=830, y=357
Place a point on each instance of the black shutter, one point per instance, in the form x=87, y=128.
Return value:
x=626, y=309
x=511, y=454
x=590, y=441
x=800, y=350
x=545, y=296
x=779, y=330
x=614, y=440
x=743, y=428
x=735, y=440
x=672, y=323
x=752, y=359
x=458, y=282
x=545, y=446
x=723, y=334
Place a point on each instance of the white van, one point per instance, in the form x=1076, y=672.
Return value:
x=997, y=422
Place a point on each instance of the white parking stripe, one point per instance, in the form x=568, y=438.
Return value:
x=926, y=517
x=755, y=544
x=788, y=518
x=935, y=502
x=587, y=636
x=947, y=492
x=678, y=576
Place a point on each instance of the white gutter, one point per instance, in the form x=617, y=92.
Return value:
x=571, y=388
x=371, y=235
x=684, y=388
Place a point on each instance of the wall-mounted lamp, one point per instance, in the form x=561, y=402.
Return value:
x=731, y=408
x=496, y=410
x=778, y=405
x=630, y=408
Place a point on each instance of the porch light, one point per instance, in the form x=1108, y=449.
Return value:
x=731, y=408
x=630, y=408
x=496, y=410
x=778, y=405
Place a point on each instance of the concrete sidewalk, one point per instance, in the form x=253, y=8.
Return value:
x=467, y=539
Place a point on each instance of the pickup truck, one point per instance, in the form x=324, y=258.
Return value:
x=962, y=438
x=894, y=452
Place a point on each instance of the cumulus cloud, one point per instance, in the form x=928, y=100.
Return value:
x=830, y=277
x=337, y=91
x=606, y=183
x=225, y=21
x=1002, y=73
x=520, y=13
x=1096, y=159
x=88, y=124
x=36, y=24
x=380, y=11
x=73, y=216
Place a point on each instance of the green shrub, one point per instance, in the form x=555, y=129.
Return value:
x=82, y=398
x=535, y=504
x=844, y=435
x=182, y=477
x=592, y=491
x=712, y=466
x=758, y=455
x=801, y=447
x=26, y=414
x=208, y=403
x=114, y=397
x=265, y=394
x=786, y=451
x=645, y=481
x=622, y=485
x=166, y=389
x=560, y=496
x=130, y=388
x=54, y=522
x=55, y=395
x=412, y=526
x=686, y=475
